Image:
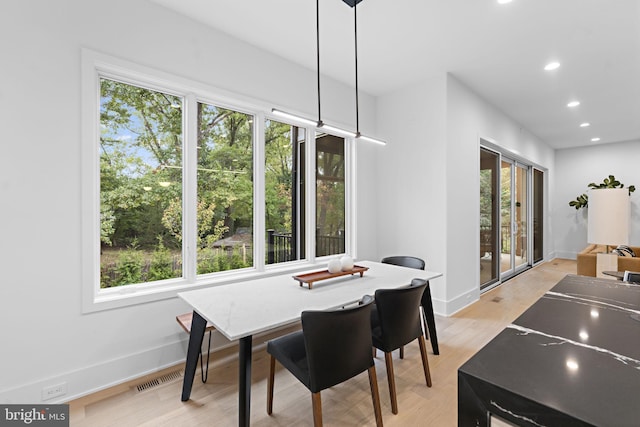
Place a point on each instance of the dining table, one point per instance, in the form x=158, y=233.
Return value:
x=243, y=309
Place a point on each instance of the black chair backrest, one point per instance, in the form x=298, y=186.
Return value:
x=405, y=261
x=338, y=344
x=399, y=315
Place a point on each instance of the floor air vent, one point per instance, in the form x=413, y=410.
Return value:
x=164, y=379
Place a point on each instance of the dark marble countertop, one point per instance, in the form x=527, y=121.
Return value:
x=573, y=358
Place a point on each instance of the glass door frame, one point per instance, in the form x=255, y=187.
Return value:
x=489, y=240
x=514, y=227
x=530, y=167
x=538, y=179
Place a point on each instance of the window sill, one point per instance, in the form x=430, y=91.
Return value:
x=130, y=295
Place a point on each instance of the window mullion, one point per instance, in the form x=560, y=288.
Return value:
x=259, y=232
x=190, y=184
x=310, y=181
x=350, y=205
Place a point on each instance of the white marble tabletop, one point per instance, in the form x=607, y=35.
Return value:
x=241, y=309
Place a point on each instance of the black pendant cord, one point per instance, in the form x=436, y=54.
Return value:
x=318, y=57
x=355, y=27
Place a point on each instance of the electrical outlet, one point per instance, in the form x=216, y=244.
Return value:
x=54, y=391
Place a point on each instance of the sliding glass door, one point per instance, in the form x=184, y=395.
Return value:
x=511, y=195
x=489, y=218
x=538, y=214
x=513, y=217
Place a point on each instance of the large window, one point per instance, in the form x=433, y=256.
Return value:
x=225, y=189
x=330, y=195
x=141, y=187
x=140, y=184
x=182, y=189
x=284, y=192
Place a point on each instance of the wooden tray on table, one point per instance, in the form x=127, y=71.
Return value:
x=316, y=276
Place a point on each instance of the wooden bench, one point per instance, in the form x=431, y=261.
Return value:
x=184, y=320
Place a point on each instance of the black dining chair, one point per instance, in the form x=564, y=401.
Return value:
x=396, y=323
x=631, y=277
x=405, y=261
x=427, y=303
x=332, y=347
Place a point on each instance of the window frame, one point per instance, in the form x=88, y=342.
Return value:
x=95, y=66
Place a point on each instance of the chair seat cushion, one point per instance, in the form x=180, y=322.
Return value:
x=290, y=351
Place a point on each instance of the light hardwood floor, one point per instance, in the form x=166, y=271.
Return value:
x=349, y=404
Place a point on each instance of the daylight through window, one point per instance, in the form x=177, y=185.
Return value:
x=140, y=185
x=182, y=180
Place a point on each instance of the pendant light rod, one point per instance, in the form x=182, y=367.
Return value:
x=355, y=38
x=318, y=58
x=359, y=136
x=319, y=123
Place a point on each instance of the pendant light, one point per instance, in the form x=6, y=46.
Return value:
x=319, y=123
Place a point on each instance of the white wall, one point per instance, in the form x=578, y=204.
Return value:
x=45, y=337
x=411, y=187
x=575, y=169
x=429, y=199
x=470, y=118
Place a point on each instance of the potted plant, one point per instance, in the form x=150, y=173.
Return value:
x=582, y=201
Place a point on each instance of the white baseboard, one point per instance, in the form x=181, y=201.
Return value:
x=91, y=379
x=101, y=376
x=461, y=301
x=565, y=255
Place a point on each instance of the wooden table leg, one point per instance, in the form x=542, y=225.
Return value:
x=198, y=325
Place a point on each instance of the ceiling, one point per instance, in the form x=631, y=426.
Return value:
x=498, y=50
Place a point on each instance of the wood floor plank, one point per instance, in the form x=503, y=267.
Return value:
x=215, y=404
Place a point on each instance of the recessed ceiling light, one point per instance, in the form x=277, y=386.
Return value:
x=551, y=66
x=585, y=124
x=595, y=139
x=573, y=104
x=504, y=1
